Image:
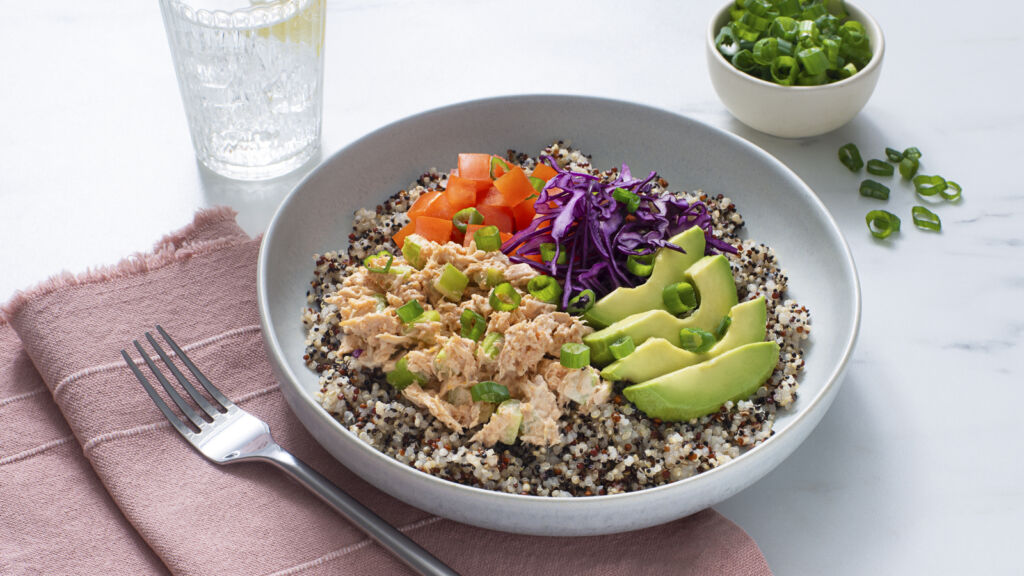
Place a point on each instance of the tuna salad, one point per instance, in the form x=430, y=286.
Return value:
x=537, y=325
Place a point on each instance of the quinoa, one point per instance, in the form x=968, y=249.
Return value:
x=608, y=449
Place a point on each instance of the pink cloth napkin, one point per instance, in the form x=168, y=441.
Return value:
x=93, y=480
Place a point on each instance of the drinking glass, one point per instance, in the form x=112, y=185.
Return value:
x=251, y=79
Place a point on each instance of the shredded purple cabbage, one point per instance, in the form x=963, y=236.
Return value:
x=598, y=235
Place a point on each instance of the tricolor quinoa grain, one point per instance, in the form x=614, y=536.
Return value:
x=600, y=447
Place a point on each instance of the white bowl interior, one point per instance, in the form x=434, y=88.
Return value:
x=779, y=209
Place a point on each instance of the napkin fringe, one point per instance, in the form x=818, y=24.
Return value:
x=172, y=248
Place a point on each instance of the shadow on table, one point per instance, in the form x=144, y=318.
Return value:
x=255, y=201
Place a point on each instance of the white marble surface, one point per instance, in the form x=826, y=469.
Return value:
x=916, y=469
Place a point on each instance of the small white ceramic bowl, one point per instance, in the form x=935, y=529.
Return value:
x=794, y=111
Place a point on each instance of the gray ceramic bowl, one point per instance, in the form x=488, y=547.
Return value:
x=779, y=209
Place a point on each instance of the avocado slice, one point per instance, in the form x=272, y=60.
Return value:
x=716, y=290
x=658, y=356
x=700, y=390
x=669, y=267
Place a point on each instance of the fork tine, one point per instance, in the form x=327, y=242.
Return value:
x=195, y=371
x=189, y=412
x=210, y=410
x=170, y=415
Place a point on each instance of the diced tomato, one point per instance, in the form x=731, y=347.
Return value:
x=499, y=216
x=492, y=197
x=421, y=204
x=406, y=230
x=434, y=229
x=461, y=193
x=514, y=187
x=476, y=167
x=437, y=207
x=544, y=172
x=524, y=213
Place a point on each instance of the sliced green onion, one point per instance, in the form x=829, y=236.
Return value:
x=765, y=51
x=696, y=340
x=679, y=297
x=726, y=42
x=495, y=162
x=382, y=302
x=848, y=70
x=756, y=22
x=807, y=32
x=894, y=155
x=926, y=219
x=504, y=298
x=929, y=185
x=463, y=218
x=378, y=256
x=849, y=155
x=473, y=325
x=836, y=8
x=785, y=47
x=487, y=238
x=784, y=70
x=873, y=189
x=813, y=60
x=451, y=283
x=908, y=167
x=723, y=327
x=880, y=167
x=745, y=33
x=488, y=391
x=427, y=316
x=537, y=183
x=493, y=277
x=784, y=28
x=630, y=199
x=912, y=152
x=545, y=289
x=882, y=223
x=411, y=251
x=409, y=311
x=952, y=191
x=548, y=251
x=831, y=49
x=788, y=8
x=491, y=345
x=641, y=266
x=805, y=79
x=575, y=355
x=758, y=7
x=581, y=302
x=401, y=376
x=622, y=347
x=744, y=60
x=813, y=12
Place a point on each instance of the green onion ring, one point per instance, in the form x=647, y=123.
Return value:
x=487, y=238
x=849, y=155
x=473, y=325
x=952, y=191
x=880, y=168
x=491, y=345
x=538, y=184
x=679, y=297
x=908, y=167
x=489, y=391
x=581, y=302
x=926, y=219
x=622, y=347
x=548, y=251
x=452, y=282
x=381, y=254
x=545, y=288
x=463, y=218
x=744, y=61
x=784, y=70
x=723, y=327
x=813, y=60
x=882, y=223
x=401, y=376
x=766, y=50
x=894, y=155
x=783, y=28
x=696, y=340
x=409, y=311
x=929, y=185
x=575, y=355
x=495, y=162
x=873, y=189
x=641, y=266
x=504, y=298
x=726, y=42
x=912, y=152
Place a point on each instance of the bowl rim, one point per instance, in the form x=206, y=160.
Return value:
x=277, y=357
x=876, y=55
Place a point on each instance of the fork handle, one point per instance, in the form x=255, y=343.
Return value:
x=409, y=552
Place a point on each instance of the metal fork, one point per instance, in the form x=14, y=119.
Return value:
x=227, y=434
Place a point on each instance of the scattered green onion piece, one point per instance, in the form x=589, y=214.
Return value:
x=545, y=289
x=849, y=155
x=504, y=298
x=873, y=189
x=627, y=197
x=726, y=42
x=473, y=325
x=377, y=256
x=723, y=327
x=537, y=183
x=581, y=302
x=622, y=347
x=679, y=297
x=784, y=70
x=784, y=28
x=756, y=22
x=548, y=251
x=463, y=218
x=929, y=185
x=575, y=355
x=491, y=345
x=493, y=277
x=488, y=391
x=807, y=33
x=409, y=311
x=487, y=238
x=831, y=49
x=427, y=316
x=952, y=191
x=912, y=152
x=451, y=283
x=908, y=167
x=926, y=219
x=382, y=302
x=813, y=60
x=882, y=223
x=848, y=70
x=696, y=340
x=411, y=251
x=880, y=168
x=894, y=155
x=744, y=61
x=401, y=376
x=765, y=51
x=495, y=162
x=641, y=266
